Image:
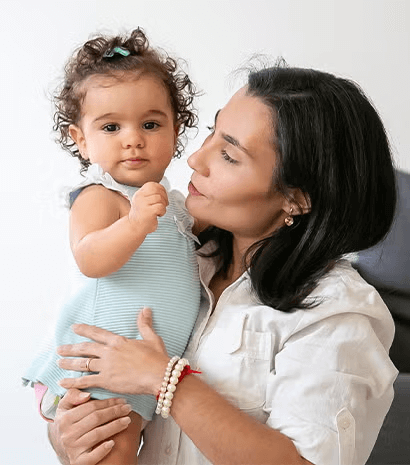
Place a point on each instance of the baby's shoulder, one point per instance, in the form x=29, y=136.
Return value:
x=97, y=194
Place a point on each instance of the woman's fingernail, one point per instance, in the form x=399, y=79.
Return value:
x=84, y=395
x=126, y=408
x=125, y=420
x=146, y=312
x=109, y=444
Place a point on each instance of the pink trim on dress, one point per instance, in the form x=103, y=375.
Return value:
x=40, y=390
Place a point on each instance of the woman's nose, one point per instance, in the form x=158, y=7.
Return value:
x=198, y=162
x=133, y=139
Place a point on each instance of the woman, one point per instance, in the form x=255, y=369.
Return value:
x=291, y=342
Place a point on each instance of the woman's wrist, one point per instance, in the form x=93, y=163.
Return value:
x=159, y=376
x=175, y=372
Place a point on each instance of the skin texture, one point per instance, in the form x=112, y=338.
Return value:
x=127, y=127
x=232, y=189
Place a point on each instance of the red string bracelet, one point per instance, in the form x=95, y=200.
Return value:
x=186, y=371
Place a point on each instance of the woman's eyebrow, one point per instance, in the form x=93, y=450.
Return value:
x=231, y=140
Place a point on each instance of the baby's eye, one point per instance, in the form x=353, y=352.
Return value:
x=111, y=127
x=150, y=125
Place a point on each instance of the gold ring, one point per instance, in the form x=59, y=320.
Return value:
x=87, y=364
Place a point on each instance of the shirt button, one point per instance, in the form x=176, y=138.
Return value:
x=345, y=423
x=168, y=449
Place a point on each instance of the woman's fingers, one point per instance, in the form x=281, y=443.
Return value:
x=83, y=382
x=109, y=409
x=104, y=432
x=144, y=322
x=97, y=454
x=80, y=364
x=97, y=334
x=82, y=349
x=72, y=398
x=83, y=433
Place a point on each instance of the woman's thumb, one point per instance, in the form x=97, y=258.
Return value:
x=145, y=323
x=72, y=398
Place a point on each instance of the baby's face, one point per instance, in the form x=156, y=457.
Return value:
x=127, y=127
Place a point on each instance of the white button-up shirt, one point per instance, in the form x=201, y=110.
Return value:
x=320, y=376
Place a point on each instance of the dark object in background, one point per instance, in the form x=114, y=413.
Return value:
x=387, y=267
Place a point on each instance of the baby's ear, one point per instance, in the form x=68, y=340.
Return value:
x=77, y=135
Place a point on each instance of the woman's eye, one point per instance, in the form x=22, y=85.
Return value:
x=150, y=125
x=111, y=127
x=211, y=128
x=226, y=157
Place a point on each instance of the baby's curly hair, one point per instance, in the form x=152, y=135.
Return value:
x=96, y=57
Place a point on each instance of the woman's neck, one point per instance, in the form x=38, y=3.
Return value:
x=221, y=281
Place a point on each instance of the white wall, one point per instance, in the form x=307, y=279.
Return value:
x=367, y=40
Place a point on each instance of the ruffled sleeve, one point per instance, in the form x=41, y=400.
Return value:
x=96, y=175
x=183, y=220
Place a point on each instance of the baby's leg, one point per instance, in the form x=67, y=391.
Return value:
x=126, y=444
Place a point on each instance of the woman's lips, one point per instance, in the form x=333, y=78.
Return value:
x=193, y=190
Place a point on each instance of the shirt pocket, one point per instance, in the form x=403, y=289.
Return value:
x=236, y=362
x=346, y=432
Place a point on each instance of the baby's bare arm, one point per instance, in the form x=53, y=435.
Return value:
x=105, y=231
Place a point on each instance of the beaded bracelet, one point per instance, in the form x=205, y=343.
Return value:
x=169, y=384
x=171, y=387
x=164, y=384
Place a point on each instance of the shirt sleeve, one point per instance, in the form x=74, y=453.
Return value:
x=331, y=388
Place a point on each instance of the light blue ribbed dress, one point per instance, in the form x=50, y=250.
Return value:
x=162, y=274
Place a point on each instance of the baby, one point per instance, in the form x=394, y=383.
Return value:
x=121, y=110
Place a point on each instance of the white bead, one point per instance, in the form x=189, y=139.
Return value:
x=163, y=389
x=165, y=412
x=164, y=384
x=171, y=388
x=173, y=380
x=176, y=372
x=169, y=395
x=158, y=410
x=167, y=403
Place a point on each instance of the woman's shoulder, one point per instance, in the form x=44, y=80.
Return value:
x=344, y=298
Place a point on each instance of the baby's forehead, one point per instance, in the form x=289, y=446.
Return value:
x=101, y=81
x=111, y=79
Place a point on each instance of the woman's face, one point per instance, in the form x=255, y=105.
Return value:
x=231, y=186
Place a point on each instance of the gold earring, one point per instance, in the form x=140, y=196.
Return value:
x=289, y=219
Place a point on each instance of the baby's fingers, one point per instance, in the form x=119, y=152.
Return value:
x=152, y=190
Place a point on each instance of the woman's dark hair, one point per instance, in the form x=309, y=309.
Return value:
x=97, y=57
x=330, y=144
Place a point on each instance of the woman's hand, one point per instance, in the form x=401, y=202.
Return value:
x=121, y=365
x=81, y=427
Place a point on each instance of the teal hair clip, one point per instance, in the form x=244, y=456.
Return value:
x=119, y=50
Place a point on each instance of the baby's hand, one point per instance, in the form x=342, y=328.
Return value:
x=149, y=202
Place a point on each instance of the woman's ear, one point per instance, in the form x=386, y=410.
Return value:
x=77, y=135
x=299, y=202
